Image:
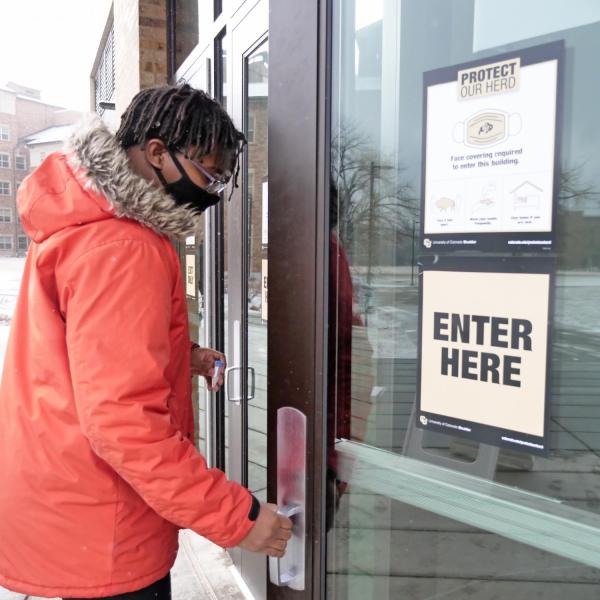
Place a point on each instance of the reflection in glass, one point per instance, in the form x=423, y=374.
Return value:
x=222, y=260
x=379, y=547
x=257, y=257
x=193, y=258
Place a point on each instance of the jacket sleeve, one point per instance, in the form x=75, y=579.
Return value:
x=118, y=316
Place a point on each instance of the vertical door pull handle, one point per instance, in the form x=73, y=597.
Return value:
x=289, y=570
x=230, y=386
x=289, y=510
x=252, y=383
x=282, y=579
x=231, y=390
x=284, y=576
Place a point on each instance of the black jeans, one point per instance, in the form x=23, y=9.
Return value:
x=159, y=590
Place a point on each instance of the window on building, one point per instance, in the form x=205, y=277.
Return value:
x=4, y=133
x=4, y=160
x=220, y=51
x=218, y=8
x=251, y=180
x=186, y=29
x=6, y=242
x=4, y=188
x=22, y=242
x=5, y=214
x=251, y=128
x=20, y=163
x=104, y=78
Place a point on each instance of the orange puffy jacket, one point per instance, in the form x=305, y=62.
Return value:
x=97, y=466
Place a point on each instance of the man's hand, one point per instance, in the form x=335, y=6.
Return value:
x=203, y=363
x=270, y=534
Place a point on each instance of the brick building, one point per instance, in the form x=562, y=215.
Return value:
x=41, y=143
x=132, y=55
x=22, y=113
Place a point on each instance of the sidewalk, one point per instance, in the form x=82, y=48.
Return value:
x=202, y=571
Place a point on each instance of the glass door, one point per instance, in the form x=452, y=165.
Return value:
x=196, y=257
x=457, y=515
x=247, y=251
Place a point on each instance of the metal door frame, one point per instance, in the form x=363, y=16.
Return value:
x=298, y=164
x=244, y=36
x=299, y=142
x=248, y=30
x=197, y=70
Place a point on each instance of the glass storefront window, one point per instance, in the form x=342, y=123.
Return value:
x=257, y=65
x=432, y=523
x=221, y=213
x=192, y=250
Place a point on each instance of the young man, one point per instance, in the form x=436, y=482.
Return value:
x=97, y=466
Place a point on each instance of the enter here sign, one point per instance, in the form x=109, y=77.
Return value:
x=484, y=355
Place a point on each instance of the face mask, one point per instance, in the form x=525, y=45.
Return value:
x=185, y=192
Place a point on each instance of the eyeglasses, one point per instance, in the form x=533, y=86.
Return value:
x=214, y=186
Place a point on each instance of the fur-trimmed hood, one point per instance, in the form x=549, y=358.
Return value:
x=99, y=164
x=95, y=150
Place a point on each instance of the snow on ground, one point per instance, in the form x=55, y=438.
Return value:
x=390, y=310
x=11, y=271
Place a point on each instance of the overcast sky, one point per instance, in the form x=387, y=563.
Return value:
x=50, y=45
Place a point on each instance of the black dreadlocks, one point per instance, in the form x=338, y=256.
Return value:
x=182, y=117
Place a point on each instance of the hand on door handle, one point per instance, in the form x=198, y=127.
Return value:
x=289, y=510
x=270, y=534
x=289, y=571
x=280, y=576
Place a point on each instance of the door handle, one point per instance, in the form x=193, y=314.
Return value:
x=279, y=574
x=290, y=510
x=288, y=571
x=233, y=393
x=252, y=383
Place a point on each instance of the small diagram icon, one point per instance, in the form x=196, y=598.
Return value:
x=447, y=204
x=423, y=420
x=487, y=200
x=527, y=195
x=487, y=128
x=444, y=203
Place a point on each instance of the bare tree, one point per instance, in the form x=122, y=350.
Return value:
x=371, y=193
x=572, y=192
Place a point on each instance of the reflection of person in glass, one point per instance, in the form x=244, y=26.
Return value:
x=348, y=408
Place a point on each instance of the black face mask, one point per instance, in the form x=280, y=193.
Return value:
x=185, y=192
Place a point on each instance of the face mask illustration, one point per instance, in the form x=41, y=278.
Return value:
x=487, y=128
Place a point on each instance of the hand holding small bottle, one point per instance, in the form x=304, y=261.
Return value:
x=210, y=364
